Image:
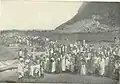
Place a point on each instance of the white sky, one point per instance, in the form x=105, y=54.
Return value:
x=22, y=14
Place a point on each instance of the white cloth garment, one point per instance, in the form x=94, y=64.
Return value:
x=83, y=70
x=20, y=53
x=47, y=64
x=53, y=65
x=63, y=64
x=67, y=64
x=106, y=61
x=102, y=66
x=27, y=42
x=37, y=69
x=21, y=69
x=32, y=68
x=26, y=68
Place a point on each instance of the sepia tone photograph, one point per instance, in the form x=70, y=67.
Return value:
x=59, y=42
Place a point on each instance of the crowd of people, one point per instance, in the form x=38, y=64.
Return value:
x=39, y=56
x=77, y=58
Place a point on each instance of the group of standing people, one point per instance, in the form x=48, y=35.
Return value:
x=79, y=58
x=84, y=59
x=30, y=65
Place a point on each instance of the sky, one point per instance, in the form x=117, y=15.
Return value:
x=42, y=15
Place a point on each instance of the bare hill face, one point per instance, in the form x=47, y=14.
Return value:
x=94, y=17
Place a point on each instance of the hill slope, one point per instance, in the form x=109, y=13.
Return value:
x=94, y=17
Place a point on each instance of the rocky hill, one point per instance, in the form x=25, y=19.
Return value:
x=94, y=17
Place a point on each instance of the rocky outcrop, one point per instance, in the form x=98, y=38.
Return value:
x=94, y=17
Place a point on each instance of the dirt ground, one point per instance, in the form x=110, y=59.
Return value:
x=55, y=78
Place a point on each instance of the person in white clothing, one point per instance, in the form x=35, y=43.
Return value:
x=21, y=69
x=32, y=68
x=83, y=68
x=102, y=66
x=37, y=70
x=20, y=53
x=63, y=64
x=47, y=64
x=67, y=64
x=53, y=65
